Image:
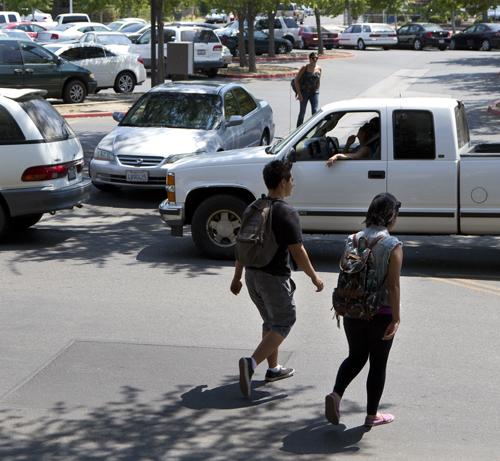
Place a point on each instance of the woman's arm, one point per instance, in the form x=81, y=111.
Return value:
x=392, y=283
x=297, y=82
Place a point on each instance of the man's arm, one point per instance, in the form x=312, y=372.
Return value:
x=236, y=282
x=300, y=256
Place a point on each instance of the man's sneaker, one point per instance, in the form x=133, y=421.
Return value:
x=246, y=373
x=281, y=374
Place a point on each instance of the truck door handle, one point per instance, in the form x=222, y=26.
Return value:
x=376, y=174
x=18, y=71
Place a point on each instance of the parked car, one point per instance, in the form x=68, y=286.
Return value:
x=30, y=28
x=115, y=41
x=309, y=36
x=284, y=27
x=134, y=31
x=119, y=25
x=174, y=120
x=216, y=16
x=67, y=18
x=421, y=35
x=481, y=36
x=122, y=72
x=368, y=34
x=291, y=10
x=26, y=64
x=39, y=16
x=261, y=40
x=207, y=47
x=70, y=31
x=41, y=161
x=15, y=34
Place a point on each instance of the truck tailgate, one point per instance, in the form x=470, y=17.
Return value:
x=480, y=193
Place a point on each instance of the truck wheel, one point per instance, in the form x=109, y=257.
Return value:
x=361, y=45
x=4, y=222
x=210, y=73
x=74, y=92
x=216, y=223
x=20, y=223
x=124, y=82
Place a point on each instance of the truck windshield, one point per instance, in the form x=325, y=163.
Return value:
x=176, y=110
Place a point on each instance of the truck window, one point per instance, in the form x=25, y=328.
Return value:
x=413, y=135
x=462, y=125
x=10, y=133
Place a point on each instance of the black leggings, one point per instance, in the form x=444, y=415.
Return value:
x=365, y=341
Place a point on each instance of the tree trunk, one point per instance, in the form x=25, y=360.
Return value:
x=241, y=37
x=271, y=51
x=252, y=66
x=453, y=21
x=318, y=28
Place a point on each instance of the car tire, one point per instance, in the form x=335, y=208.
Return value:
x=105, y=187
x=281, y=49
x=211, y=73
x=20, y=223
x=265, y=139
x=74, y=92
x=385, y=48
x=4, y=222
x=417, y=45
x=361, y=44
x=124, y=82
x=453, y=44
x=329, y=47
x=235, y=52
x=485, y=45
x=290, y=39
x=442, y=48
x=216, y=223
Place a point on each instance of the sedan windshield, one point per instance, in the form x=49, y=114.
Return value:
x=175, y=110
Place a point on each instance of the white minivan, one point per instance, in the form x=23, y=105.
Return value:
x=41, y=161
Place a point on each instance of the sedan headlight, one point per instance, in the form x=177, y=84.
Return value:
x=92, y=76
x=101, y=154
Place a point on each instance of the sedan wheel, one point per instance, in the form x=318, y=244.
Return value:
x=282, y=49
x=125, y=82
x=453, y=44
x=361, y=45
x=485, y=45
x=417, y=45
x=265, y=138
x=74, y=92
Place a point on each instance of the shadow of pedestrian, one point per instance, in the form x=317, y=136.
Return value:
x=226, y=397
x=320, y=437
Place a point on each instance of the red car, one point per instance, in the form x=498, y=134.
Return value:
x=30, y=28
x=309, y=36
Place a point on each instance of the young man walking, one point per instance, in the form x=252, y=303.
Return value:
x=271, y=287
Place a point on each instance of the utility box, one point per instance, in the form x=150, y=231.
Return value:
x=180, y=58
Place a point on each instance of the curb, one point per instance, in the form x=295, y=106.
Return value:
x=93, y=114
x=302, y=57
x=494, y=108
x=260, y=76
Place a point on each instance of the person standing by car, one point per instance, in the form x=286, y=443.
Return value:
x=271, y=287
x=307, y=83
x=372, y=339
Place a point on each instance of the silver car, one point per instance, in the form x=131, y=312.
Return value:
x=174, y=120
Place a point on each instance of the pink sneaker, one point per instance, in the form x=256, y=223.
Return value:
x=332, y=407
x=381, y=418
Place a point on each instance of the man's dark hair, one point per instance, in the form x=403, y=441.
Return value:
x=275, y=171
x=383, y=210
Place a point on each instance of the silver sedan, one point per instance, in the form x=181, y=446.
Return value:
x=176, y=120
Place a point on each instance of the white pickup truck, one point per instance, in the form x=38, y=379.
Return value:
x=422, y=155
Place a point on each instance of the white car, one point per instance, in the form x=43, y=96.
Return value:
x=41, y=161
x=119, y=71
x=369, y=34
x=207, y=46
x=70, y=31
x=115, y=41
x=216, y=16
x=122, y=23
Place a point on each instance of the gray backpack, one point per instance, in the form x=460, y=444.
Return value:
x=255, y=243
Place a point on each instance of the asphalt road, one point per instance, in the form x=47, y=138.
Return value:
x=120, y=342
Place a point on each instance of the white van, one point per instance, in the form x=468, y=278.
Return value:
x=9, y=16
x=66, y=18
x=41, y=161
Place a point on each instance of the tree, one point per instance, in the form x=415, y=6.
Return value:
x=326, y=8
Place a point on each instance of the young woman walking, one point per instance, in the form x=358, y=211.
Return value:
x=372, y=339
x=307, y=84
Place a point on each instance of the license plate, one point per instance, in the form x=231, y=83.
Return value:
x=137, y=176
x=201, y=52
x=441, y=41
x=71, y=173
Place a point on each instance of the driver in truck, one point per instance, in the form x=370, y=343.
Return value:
x=369, y=144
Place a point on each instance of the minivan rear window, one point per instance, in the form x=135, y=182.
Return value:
x=50, y=123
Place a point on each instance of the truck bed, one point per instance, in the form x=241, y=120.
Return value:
x=490, y=149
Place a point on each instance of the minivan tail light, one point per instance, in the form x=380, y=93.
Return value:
x=217, y=48
x=48, y=172
x=54, y=36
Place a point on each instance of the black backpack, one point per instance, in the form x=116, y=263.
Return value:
x=255, y=243
x=358, y=293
